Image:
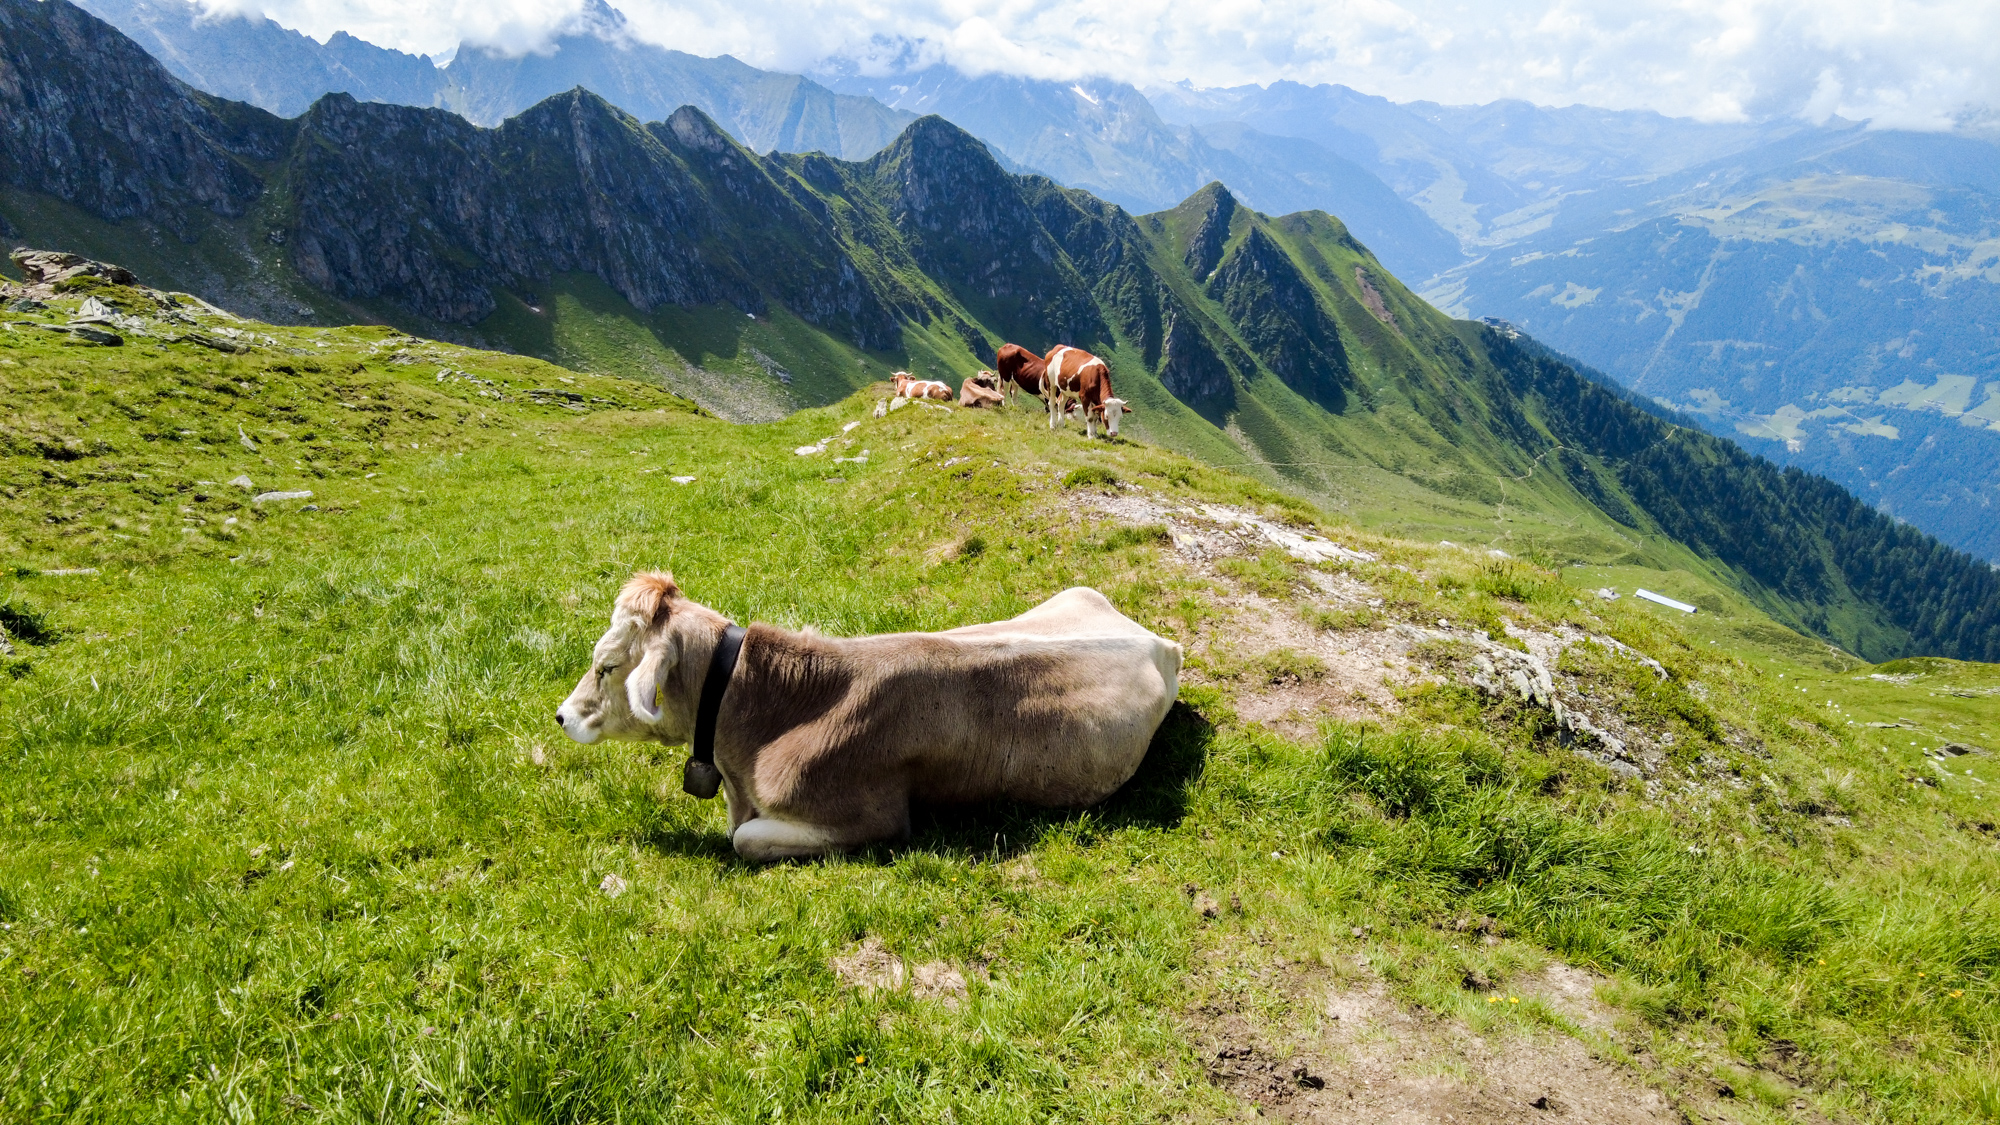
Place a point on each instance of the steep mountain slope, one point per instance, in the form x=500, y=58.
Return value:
x=1277, y=345
x=1825, y=294
x=1100, y=136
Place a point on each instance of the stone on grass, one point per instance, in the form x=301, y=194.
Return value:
x=612, y=886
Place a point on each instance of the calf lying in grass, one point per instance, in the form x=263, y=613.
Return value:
x=821, y=743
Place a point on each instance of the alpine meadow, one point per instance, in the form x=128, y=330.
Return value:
x=330, y=441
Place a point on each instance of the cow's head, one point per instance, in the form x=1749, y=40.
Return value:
x=1114, y=409
x=646, y=669
x=902, y=380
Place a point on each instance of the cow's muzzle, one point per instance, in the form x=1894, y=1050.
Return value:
x=573, y=725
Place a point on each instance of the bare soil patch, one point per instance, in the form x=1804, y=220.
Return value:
x=1371, y=1059
x=871, y=967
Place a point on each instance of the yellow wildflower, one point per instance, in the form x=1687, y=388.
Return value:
x=1957, y=992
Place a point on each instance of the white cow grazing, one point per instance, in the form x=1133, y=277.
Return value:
x=823, y=742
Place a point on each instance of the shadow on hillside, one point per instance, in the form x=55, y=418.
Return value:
x=1155, y=797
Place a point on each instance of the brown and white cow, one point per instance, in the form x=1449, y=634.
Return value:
x=909, y=386
x=1083, y=381
x=823, y=742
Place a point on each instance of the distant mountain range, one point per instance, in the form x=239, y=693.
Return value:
x=1826, y=294
x=1100, y=136
x=1832, y=299
x=256, y=61
x=670, y=252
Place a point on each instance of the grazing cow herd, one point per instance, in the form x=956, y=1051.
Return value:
x=1068, y=381
x=819, y=744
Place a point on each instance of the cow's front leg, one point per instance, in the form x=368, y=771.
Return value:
x=741, y=808
x=769, y=838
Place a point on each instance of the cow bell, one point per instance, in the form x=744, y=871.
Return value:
x=700, y=779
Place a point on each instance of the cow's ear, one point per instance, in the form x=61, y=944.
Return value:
x=642, y=686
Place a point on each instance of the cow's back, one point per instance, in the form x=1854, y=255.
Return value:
x=1055, y=707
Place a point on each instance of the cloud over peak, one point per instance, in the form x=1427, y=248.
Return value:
x=1900, y=63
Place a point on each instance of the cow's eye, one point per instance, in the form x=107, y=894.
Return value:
x=606, y=670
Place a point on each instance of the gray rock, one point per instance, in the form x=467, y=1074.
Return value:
x=97, y=336
x=93, y=311
x=244, y=483
x=267, y=497
x=48, y=267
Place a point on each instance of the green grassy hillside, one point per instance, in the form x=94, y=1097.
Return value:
x=288, y=832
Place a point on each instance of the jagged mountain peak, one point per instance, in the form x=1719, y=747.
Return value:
x=598, y=19
x=936, y=166
x=696, y=129
x=1211, y=212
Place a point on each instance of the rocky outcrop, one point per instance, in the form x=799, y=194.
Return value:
x=52, y=267
x=968, y=224
x=88, y=117
x=1190, y=368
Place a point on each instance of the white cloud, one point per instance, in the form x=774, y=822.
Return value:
x=1903, y=63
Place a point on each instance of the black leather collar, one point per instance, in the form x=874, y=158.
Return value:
x=700, y=778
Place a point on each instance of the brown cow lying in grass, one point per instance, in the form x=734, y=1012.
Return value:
x=980, y=390
x=823, y=742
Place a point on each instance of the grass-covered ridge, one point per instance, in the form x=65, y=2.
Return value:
x=288, y=830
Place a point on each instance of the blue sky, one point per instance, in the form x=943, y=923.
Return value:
x=1898, y=63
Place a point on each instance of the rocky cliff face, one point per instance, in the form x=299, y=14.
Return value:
x=432, y=212
x=88, y=117
x=968, y=224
